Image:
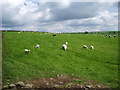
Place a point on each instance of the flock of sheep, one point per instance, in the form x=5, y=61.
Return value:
x=27, y=50
x=64, y=47
x=110, y=36
x=91, y=47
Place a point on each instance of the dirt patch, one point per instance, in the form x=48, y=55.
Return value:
x=64, y=81
x=59, y=81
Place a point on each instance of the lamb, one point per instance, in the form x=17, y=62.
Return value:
x=92, y=47
x=64, y=47
x=66, y=43
x=37, y=46
x=84, y=46
x=27, y=51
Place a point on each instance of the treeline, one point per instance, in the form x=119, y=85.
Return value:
x=106, y=32
x=86, y=32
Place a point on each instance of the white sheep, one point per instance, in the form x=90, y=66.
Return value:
x=18, y=32
x=92, y=47
x=27, y=51
x=64, y=47
x=109, y=36
x=84, y=46
x=115, y=36
x=66, y=43
x=37, y=46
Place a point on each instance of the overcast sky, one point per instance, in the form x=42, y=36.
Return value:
x=65, y=16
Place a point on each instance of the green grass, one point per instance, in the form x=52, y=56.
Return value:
x=100, y=64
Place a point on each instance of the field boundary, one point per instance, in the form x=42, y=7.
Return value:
x=0, y=59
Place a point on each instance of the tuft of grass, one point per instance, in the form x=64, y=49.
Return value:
x=100, y=64
x=78, y=81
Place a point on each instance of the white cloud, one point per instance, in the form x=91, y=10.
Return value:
x=21, y=14
x=78, y=0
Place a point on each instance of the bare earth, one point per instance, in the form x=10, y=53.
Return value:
x=63, y=81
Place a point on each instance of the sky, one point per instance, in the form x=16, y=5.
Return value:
x=59, y=15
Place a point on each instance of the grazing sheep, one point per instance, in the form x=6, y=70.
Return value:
x=84, y=46
x=64, y=47
x=109, y=36
x=66, y=43
x=115, y=36
x=92, y=47
x=27, y=51
x=106, y=35
x=37, y=46
x=18, y=32
x=54, y=34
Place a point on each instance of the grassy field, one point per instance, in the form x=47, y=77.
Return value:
x=100, y=64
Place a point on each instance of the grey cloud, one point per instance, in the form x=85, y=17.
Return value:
x=77, y=10
x=44, y=16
